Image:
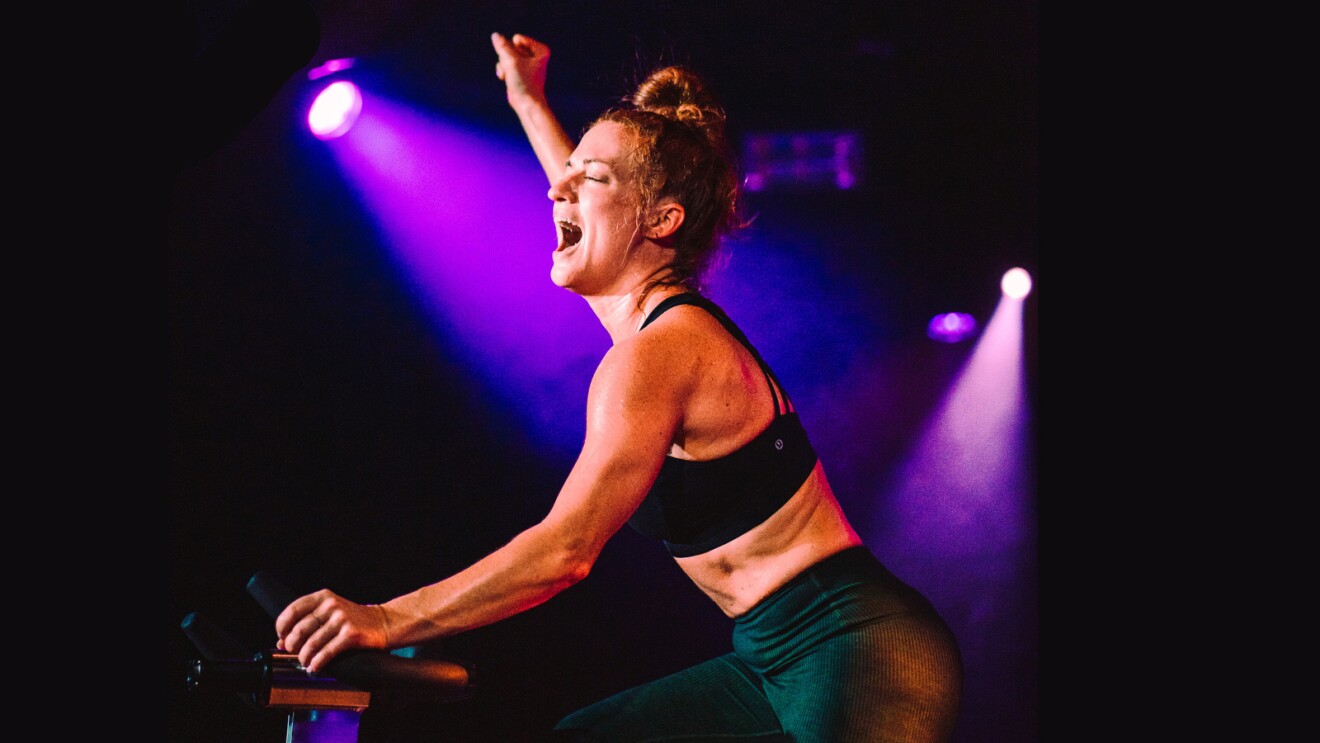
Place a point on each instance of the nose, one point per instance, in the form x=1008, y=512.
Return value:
x=561, y=189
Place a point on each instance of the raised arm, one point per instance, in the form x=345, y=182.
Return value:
x=522, y=67
x=634, y=407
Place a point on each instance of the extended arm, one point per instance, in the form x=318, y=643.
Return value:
x=632, y=416
x=522, y=67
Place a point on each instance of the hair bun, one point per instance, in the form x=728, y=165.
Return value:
x=678, y=145
x=676, y=92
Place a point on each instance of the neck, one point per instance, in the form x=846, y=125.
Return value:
x=622, y=314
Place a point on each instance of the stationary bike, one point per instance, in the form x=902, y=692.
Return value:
x=324, y=707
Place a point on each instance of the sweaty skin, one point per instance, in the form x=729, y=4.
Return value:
x=727, y=384
x=684, y=388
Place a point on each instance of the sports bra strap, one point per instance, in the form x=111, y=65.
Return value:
x=781, y=405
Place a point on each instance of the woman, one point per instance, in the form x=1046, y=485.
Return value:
x=690, y=439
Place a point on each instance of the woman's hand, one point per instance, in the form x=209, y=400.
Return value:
x=321, y=625
x=522, y=65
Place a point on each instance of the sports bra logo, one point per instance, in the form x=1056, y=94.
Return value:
x=779, y=443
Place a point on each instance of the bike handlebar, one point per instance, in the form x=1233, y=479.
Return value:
x=370, y=669
x=227, y=666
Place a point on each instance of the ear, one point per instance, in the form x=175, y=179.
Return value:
x=665, y=220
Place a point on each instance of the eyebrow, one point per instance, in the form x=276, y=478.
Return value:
x=588, y=161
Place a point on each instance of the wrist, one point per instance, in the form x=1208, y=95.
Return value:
x=384, y=623
x=527, y=103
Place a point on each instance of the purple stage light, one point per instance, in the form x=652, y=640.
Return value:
x=465, y=216
x=963, y=497
x=951, y=327
x=1016, y=283
x=466, y=219
x=330, y=67
x=335, y=110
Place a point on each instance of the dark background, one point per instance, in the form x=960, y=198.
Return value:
x=317, y=429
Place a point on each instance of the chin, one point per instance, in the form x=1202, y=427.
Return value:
x=559, y=279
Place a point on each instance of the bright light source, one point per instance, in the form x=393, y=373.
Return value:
x=335, y=110
x=1016, y=283
x=951, y=327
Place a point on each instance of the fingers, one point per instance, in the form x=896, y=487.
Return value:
x=294, y=612
x=324, y=643
x=316, y=638
x=319, y=626
x=505, y=51
x=527, y=46
x=519, y=44
x=307, y=625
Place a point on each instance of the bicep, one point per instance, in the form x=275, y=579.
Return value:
x=632, y=417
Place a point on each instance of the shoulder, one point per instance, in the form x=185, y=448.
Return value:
x=685, y=328
x=679, y=338
x=666, y=356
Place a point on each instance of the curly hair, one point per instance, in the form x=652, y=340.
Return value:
x=682, y=154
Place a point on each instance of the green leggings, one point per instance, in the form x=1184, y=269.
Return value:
x=843, y=653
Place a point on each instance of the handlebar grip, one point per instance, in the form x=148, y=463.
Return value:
x=270, y=593
x=372, y=669
x=213, y=643
x=379, y=671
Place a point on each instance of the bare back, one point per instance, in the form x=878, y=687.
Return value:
x=728, y=405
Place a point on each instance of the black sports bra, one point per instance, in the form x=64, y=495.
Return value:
x=696, y=506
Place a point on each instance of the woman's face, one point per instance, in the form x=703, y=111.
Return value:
x=595, y=213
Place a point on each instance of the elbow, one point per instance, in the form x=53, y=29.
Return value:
x=574, y=567
x=573, y=562
x=566, y=559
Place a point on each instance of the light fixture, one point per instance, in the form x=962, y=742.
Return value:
x=951, y=327
x=336, y=108
x=1016, y=283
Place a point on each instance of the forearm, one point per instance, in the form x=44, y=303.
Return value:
x=530, y=569
x=549, y=141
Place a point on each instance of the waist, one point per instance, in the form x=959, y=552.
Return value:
x=820, y=584
x=742, y=573
x=848, y=593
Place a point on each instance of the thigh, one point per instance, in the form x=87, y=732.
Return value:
x=898, y=680
x=719, y=700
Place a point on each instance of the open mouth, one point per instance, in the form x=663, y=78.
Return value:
x=569, y=234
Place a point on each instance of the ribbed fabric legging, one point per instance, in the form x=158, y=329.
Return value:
x=845, y=652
